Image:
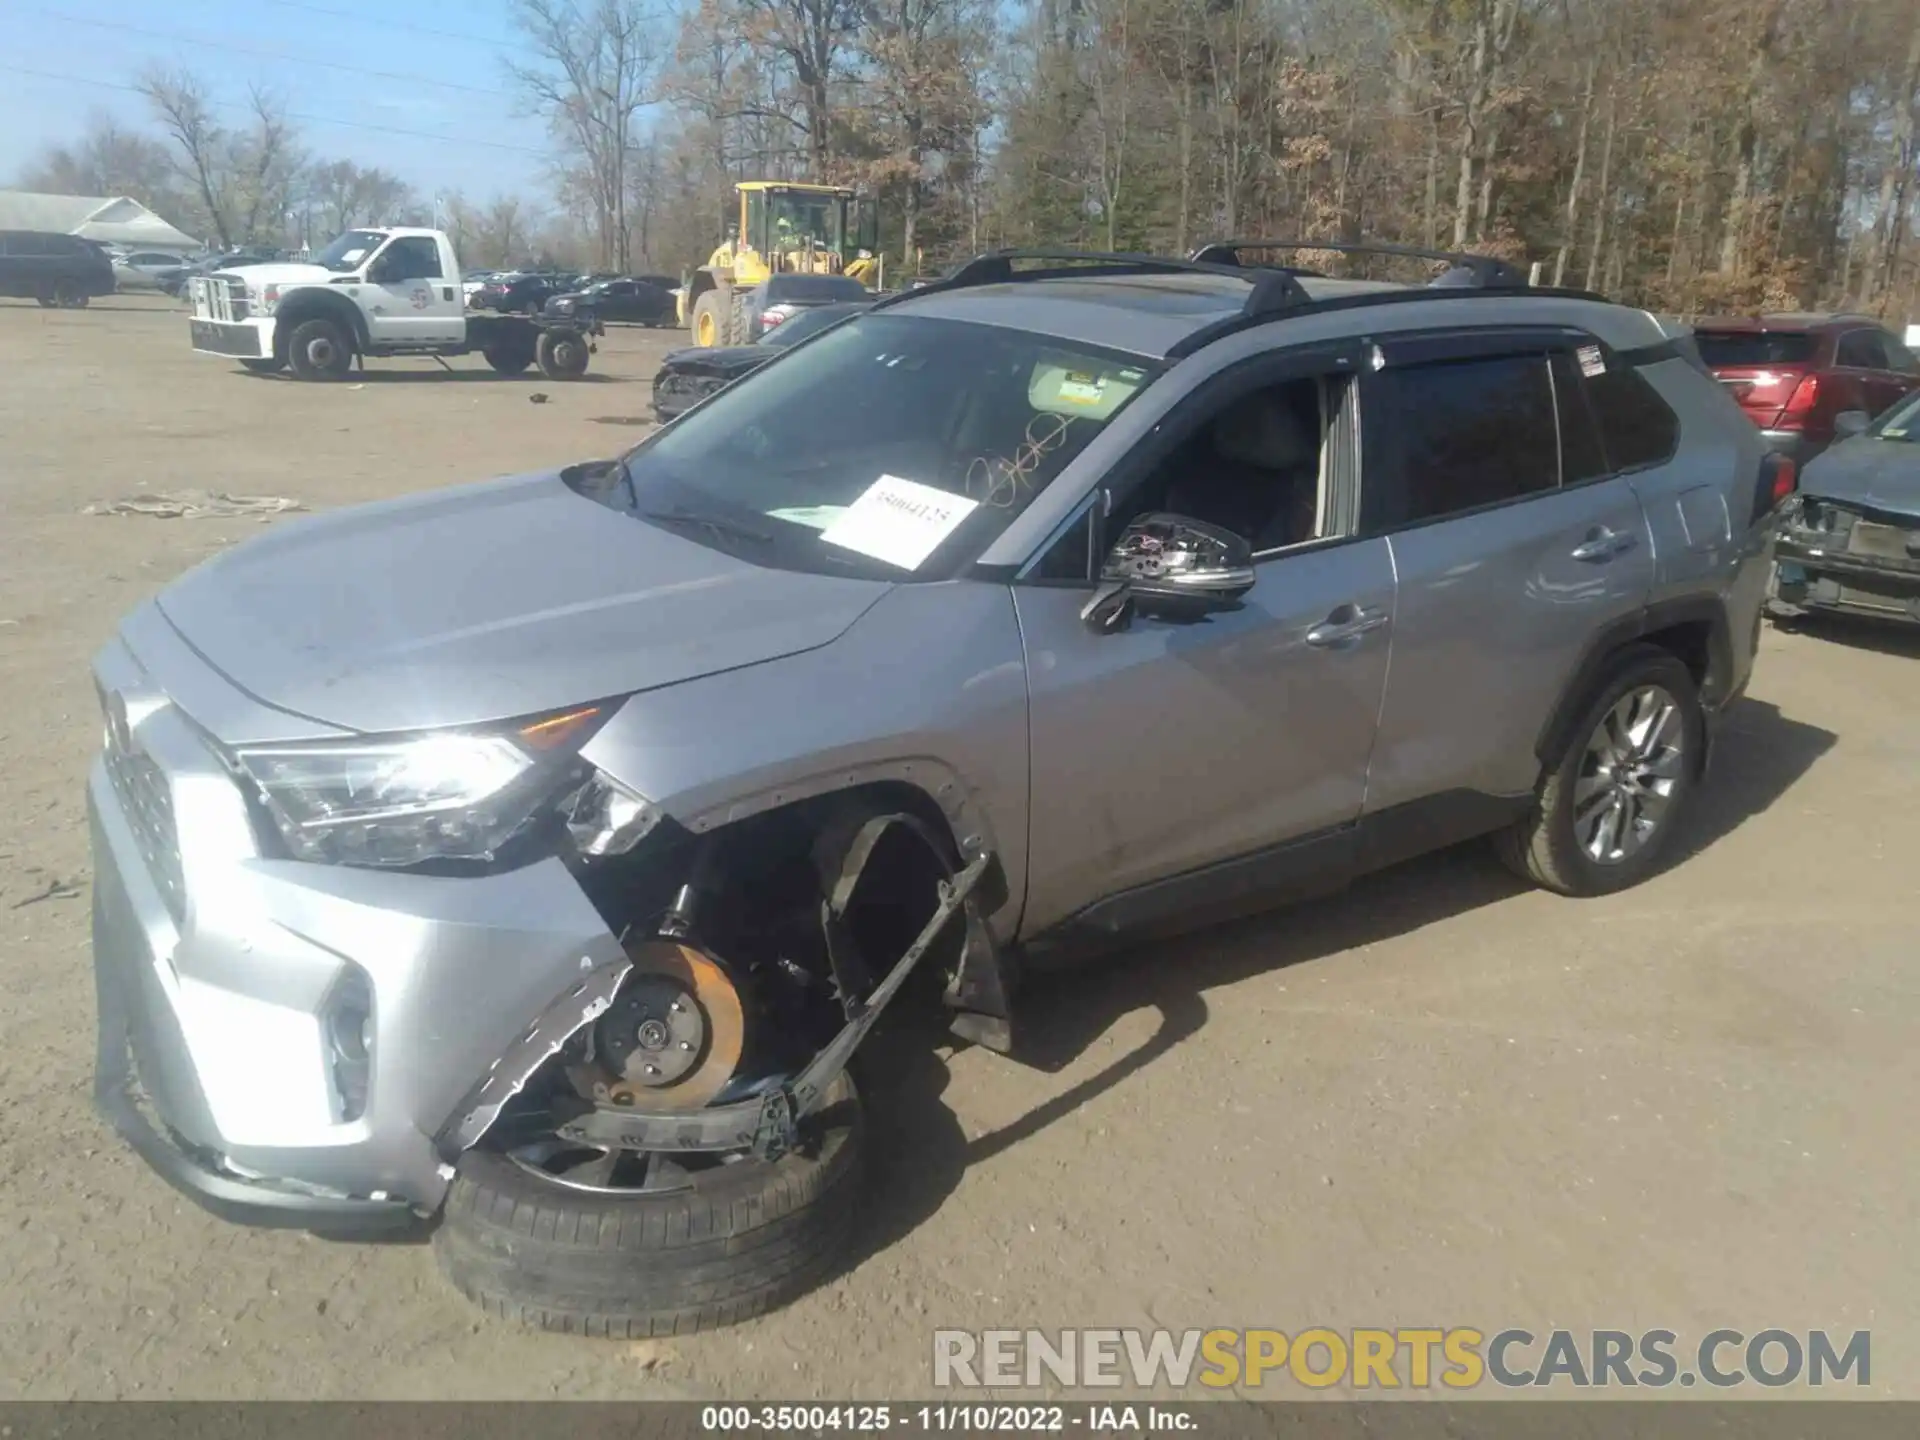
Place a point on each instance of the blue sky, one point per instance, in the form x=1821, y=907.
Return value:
x=454, y=94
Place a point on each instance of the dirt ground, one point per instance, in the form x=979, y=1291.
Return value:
x=1439, y=1099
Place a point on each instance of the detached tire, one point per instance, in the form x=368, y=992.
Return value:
x=1562, y=843
x=319, y=350
x=562, y=354
x=739, y=1240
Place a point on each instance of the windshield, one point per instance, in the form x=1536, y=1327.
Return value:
x=347, y=252
x=900, y=448
x=794, y=220
x=1901, y=422
x=1753, y=347
x=803, y=323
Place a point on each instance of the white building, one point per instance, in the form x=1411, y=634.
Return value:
x=110, y=220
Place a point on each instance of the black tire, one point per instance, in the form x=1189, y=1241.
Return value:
x=740, y=1240
x=562, y=354
x=1543, y=845
x=319, y=350
x=509, y=355
x=738, y=319
x=264, y=365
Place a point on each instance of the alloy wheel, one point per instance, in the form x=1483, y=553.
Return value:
x=1633, y=766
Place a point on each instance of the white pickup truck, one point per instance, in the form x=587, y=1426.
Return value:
x=372, y=293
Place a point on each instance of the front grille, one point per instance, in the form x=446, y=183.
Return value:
x=146, y=800
x=1887, y=542
x=218, y=298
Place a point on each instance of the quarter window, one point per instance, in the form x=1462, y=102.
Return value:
x=1859, y=350
x=1471, y=433
x=1636, y=426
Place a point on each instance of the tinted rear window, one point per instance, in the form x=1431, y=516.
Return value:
x=1753, y=347
x=1636, y=425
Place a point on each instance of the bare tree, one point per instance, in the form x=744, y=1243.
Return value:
x=591, y=70
x=242, y=178
x=343, y=195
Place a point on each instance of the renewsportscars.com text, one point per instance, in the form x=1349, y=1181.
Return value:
x=1459, y=1358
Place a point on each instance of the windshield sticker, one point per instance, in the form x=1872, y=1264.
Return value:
x=899, y=521
x=354, y=257
x=1077, y=388
x=815, y=517
x=1592, y=362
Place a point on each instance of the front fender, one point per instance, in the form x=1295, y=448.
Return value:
x=927, y=689
x=314, y=302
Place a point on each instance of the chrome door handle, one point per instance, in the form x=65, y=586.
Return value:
x=1602, y=544
x=1353, y=622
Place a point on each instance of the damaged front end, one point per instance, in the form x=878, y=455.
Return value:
x=1847, y=556
x=756, y=960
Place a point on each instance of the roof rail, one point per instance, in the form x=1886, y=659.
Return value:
x=1484, y=272
x=1272, y=291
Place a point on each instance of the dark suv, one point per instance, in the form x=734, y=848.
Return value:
x=56, y=270
x=1792, y=374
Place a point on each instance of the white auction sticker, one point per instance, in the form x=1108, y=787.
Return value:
x=1592, y=362
x=899, y=521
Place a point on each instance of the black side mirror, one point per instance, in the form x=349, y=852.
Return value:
x=1170, y=567
x=1849, y=423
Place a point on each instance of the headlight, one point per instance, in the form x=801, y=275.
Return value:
x=449, y=795
x=268, y=299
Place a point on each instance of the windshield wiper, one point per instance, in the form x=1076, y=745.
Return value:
x=715, y=524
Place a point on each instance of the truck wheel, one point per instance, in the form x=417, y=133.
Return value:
x=562, y=354
x=545, y=1237
x=266, y=365
x=710, y=314
x=319, y=350
x=509, y=355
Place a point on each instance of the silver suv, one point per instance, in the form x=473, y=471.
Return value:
x=531, y=857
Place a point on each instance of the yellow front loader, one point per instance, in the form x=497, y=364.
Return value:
x=784, y=228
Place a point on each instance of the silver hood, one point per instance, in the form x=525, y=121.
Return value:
x=486, y=602
x=1879, y=474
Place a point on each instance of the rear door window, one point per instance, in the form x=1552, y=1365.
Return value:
x=1739, y=349
x=1637, y=427
x=1470, y=433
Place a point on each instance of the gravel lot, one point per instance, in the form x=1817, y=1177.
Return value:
x=1437, y=1100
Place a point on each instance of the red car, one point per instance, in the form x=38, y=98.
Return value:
x=1793, y=373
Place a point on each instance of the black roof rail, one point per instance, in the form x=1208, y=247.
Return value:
x=1271, y=291
x=1484, y=271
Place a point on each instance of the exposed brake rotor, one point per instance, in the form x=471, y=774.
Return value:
x=671, y=1038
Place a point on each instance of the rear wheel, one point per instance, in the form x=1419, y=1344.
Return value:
x=319, y=350
x=1607, y=811
x=562, y=354
x=627, y=1244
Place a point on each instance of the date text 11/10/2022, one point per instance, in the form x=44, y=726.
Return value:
x=939, y=1419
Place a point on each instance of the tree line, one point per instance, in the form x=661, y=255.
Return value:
x=1690, y=155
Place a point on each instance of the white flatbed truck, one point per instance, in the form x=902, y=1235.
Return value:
x=373, y=293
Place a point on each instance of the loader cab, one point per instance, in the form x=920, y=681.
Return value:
x=800, y=229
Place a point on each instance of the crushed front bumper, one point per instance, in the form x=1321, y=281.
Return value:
x=1865, y=566
x=231, y=983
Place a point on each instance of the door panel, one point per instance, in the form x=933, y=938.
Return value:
x=420, y=305
x=1495, y=611
x=1165, y=748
